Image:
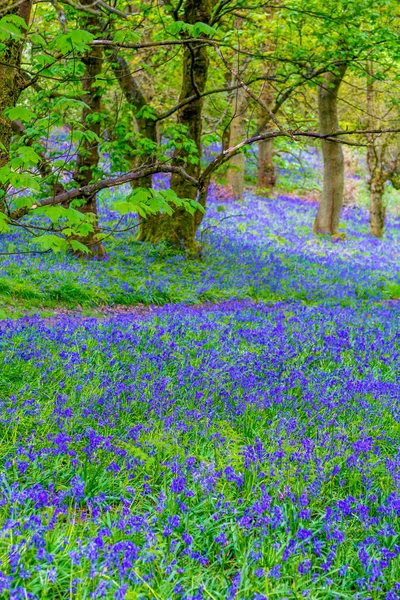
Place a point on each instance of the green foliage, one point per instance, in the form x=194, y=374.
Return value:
x=194, y=30
x=21, y=113
x=48, y=241
x=311, y=36
x=146, y=201
x=77, y=40
x=393, y=291
x=11, y=26
x=4, y=225
x=146, y=112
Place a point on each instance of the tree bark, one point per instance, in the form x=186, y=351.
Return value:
x=266, y=176
x=235, y=173
x=145, y=126
x=12, y=81
x=266, y=173
x=226, y=134
x=376, y=149
x=328, y=215
x=180, y=228
x=88, y=154
x=377, y=208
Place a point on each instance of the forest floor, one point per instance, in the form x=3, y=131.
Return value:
x=224, y=428
x=259, y=249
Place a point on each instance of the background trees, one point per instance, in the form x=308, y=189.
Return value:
x=103, y=94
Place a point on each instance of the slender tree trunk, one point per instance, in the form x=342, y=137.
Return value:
x=376, y=164
x=146, y=127
x=328, y=215
x=235, y=173
x=88, y=155
x=226, y=134
x=180, y=228
x=377, y=208
x=11, y=79
x=266, y=174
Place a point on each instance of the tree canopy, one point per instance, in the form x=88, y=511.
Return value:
x=97, y=94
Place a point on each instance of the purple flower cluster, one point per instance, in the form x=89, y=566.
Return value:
x=230, y=451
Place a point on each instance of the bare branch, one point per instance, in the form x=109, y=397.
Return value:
x=332, y=137
x=250, y=92
x=149, y=44
x=112, y=9
x=220, y=90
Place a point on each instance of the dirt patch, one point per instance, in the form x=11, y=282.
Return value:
x=107, y=310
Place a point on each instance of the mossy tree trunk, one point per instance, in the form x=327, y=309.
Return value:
x=88, y=154
x=12, y=81
x=328, y=215
x=180, y=228
x=147, y=127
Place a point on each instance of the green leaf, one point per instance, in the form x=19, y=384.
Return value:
x=70, y=102
x=19, y=113
x=54, y=213
x=76, y=39
x=140, y=195
x=210, y=138
x=147, y=112
x=37, y=40
x=4, y=226
x=75, y=245
x=197, y=206
x=49, y=241
x=124, y=208
x=23, y=202
x=203, y=28
x=23, y=180
x=11, y=26
x=75, y=217
x=126, y=36
x=176, y=27
x=101, y=236
x=28, y=155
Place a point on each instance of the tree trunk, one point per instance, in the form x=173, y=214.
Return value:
x=11, y=79
x=266, y=176
x=266, y=173
x=328, y=215
x=376, y=163
x=235, y=174
x=377, y=208
x=180, y=228
x=88, y=154
x=146, y=127
x=226, y=134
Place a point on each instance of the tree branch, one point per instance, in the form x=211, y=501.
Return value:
x=332, y=137
x=88, y=190
x=250, y=92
